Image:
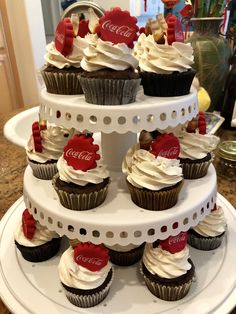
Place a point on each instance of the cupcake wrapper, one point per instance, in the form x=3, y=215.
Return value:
x=126, y=258
x=85, y=301
x=109, y=92
x=155, y=200
x=40, y=253
x=205, y=244
x=62, y=83
x=195, y=170
x=43, y=171
x=83, y=201
x=167, y=85
x=168, y=293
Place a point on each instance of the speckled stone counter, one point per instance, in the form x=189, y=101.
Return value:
x=13, y=163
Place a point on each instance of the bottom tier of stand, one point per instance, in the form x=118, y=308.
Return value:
x=35, y=288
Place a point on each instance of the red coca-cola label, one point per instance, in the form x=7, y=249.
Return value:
x=64, y=37
x=118, y=26
x=28, y=224
x=166, y=145
x=175, y=30
x=91, y=256
x=81, y=153
x=175, y=244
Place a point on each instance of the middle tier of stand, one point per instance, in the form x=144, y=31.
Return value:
x=148, y=113
x=118, y=220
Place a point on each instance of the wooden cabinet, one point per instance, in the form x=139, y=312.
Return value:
x=10, y=91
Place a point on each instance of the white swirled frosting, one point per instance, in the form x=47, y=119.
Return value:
x=197, y=146
x=42, y=235
x=146, y=171
x=164, y=264
x=54, y=138
x=79, y=277
x=163, y=59
x=213, y=224
x=70, y=175
x=54, y=58
x=104, y=54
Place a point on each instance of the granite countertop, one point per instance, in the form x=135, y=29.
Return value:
x=13, y=163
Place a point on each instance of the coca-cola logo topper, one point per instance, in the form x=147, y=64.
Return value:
x=81, y=153
x=118, y=26
x=175, y=244
x=64, y=37
x=91, y=256
x=166, y=145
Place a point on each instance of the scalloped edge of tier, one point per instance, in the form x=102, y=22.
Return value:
x=147, y=112
x=118, y=220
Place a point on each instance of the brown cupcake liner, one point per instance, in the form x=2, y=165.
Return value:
x=167, y=85
x=44, y=171
x=109, y=91
x=65, y=83
x=205, y=244
x=126, y=258
x=155, y=200
x=195, y=170
x=82, y=201
x=40, y=253
x=168, y=293
x=86, y=301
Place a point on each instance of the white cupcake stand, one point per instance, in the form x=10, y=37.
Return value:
x=35, y=288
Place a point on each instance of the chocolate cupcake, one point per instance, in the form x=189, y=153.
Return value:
x=85, y=274
x=165, y=70
x=35, y=242
x=81, y=182
x=209, y=233
x=196, y=153
x=167, y=269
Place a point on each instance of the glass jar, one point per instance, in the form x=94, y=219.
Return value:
x=227, y=160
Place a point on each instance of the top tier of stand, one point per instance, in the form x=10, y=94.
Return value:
x=147, y=113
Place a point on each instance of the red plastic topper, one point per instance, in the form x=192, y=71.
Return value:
x=118, y=26
x=166, y=145
x=80, y=153
x=175, y=244
x=64, y=37
x=28, y=224
x=91, y=256
x=175, y=29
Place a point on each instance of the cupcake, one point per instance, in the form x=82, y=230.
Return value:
x=44, y=148
x=35, y=242
x=85, y=274
x=209, y=232
x=167, y=269
x=63, y=57
x=196, y=153
x=154, y=182
x=165, y=70
x=125, y=255
x=109, y=76
x=81, y=182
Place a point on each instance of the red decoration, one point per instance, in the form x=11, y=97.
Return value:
x=186, y=11
x=37, y=137
x=91, y=256
x=175, y=29
x=64, y=37
x=28, y=224
x=80, y=153
x=83, y=28
x=169, y=4
x=118, y=26
x=214, y=208
x=166, y=145
x=202, y=123
x=175, y=244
